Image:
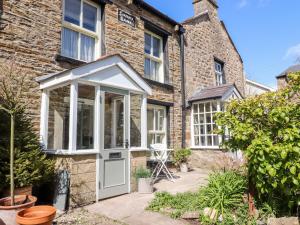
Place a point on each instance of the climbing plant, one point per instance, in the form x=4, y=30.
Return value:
x=267, y=129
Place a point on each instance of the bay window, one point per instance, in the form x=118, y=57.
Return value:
x=203, y=124
x=80, y=32
x=157, y=133
x=153, y=63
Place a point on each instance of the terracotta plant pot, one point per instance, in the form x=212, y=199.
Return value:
x=36, y=215
x=19, y=191
x=8, y=213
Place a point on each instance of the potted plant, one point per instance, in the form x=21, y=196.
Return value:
x=22, y=161
x=144, y=179
x=180, y=158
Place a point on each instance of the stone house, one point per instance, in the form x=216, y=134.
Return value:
x=282, y=79
x=112, y=77
x=253, y=88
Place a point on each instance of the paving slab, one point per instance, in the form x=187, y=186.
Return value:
x=130, y=208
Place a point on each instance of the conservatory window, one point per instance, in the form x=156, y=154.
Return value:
x=85, y=117
x=157, y=133
x=58, y=118
x=135, y=120
x=204, y=127
x=80, y=35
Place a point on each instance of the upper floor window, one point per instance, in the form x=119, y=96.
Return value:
x=153, y=57
x=80, y=32
x=220, y=76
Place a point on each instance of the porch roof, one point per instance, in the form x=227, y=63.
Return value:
x=222, y=92
x=103, y=70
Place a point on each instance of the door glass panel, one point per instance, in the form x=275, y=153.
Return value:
x=114, y=121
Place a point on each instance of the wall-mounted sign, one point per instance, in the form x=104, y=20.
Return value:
x=126, y=18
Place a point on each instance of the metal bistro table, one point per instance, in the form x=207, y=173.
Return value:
x=161, y=155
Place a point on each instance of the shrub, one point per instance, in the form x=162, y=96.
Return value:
x=142, y=172
x=267, y=129
x=181, y=156
x=224, y=191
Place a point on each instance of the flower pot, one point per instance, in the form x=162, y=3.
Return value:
x=8, y=212
x=36, y=215
x=145, y=185
x=19, y=191
x=184, y=168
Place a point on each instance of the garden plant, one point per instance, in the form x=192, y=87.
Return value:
x=267, y=129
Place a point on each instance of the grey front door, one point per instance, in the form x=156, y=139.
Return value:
x=114, y=155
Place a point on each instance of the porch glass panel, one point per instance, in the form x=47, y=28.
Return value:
x=135, y=120
x=58, y=118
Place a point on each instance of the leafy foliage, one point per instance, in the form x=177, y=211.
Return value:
x=142, y=172
x=267, y=129
x=224, y=191
x=181, y=156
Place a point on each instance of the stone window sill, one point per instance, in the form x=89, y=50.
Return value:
x=75, y=62
x=158, y=84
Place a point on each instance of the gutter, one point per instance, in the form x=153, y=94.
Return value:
x=181, y=32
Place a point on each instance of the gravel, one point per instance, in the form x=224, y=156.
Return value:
x=83, y=217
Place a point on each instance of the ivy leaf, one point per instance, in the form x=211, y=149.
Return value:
x=272, y=172
x=283, y=154
x=293, y=170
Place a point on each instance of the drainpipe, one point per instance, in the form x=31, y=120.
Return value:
x=181, y=31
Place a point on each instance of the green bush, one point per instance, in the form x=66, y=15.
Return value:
x=142, y=172
x=181, y=156
x=267, y=129
x=31, y=167
x=224, y=191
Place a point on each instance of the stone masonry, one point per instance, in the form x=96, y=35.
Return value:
x=30, y=35
x=206, y=40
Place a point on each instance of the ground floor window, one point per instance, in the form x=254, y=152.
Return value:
x=157, y=124
x=203, y=124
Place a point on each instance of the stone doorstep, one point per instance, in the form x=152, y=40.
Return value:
x=283, y=221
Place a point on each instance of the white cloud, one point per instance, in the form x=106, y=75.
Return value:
x=259, y=3
x=293, y=52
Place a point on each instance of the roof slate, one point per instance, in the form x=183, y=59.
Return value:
x=211, y=92
x=291, y=69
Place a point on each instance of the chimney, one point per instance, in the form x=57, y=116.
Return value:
x=201, y=6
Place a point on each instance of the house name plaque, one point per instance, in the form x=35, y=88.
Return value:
x=127, y=18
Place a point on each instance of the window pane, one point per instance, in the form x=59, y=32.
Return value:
x=208, y=129
x=161, y=120
x=147, y=44
x=196, y=108
x=113, y=121
x=85, y=117
x=58, y=118
x=216, y=140
x=150, y=115
x=150, y=139
x=87, y=48
x=159, y=139
x=196, y=130
x=72, y=11
x=196, y=119
x=135, y=120
x=202, y=140
x=156, y=47
x=197, y=141
x=214, y=106
x=201, y=108
x=154, y=70
x=207, y=107
x=70, y=43
x=89, y=17
x=209, y=140
x=147, y=67
x=201, y=116
x=202, y=129
x=208, y=118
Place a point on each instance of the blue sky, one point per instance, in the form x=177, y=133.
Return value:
x=266, y=32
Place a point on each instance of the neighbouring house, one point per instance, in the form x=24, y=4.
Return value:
x=282, y=79
x=254, y=88
x=111, y=77
x=214, y=74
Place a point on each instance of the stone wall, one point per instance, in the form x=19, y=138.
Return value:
x=281, y=82
x=82, y=170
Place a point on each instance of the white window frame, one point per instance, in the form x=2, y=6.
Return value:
x=155, y=131
x=193, y=145
x=219, y=74
x=81, y=30
x=159, y=59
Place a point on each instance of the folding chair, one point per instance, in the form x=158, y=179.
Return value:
x=161, y=155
